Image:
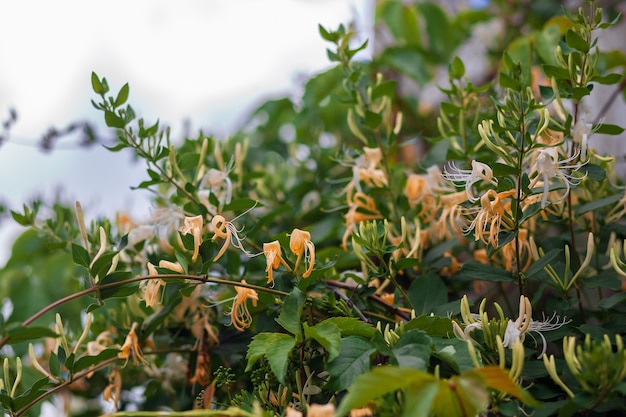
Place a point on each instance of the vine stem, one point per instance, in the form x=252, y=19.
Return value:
x=96, y=288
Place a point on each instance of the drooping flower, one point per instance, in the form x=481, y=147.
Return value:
x=239, y=313
x=321, y=410
x=479, y=172
x=548, y=168
x=131, y=347
x=114, y=389
x=488, y=221
x=300, y=244
x=151, y=287
x=274, y=258
x=194, y=226
x=226, y=230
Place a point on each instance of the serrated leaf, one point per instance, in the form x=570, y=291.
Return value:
x=327, y=335
x=278, y=347
x=256, y=349
x=289, y=317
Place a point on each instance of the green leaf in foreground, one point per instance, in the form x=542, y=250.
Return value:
x=354, y=361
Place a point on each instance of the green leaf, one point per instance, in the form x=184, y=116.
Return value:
x=257, y=349
x=593, y=171
x=612, y=301
x=96, y=84
x=351, y=326
x=379, y=381
x=327, y=335
x=427, y=293
x=122, y=96
x=372, y=120
x=506, y=81
x=597, y=204
x=35, y=390
x=409, y=61
x=278, y=347
x=608, y=129
x=575, y=41
x=456, y=68
x=113, y=120
x=289, y=317
x=419, y=398
x=484, y=272
x=412, y=350
x=117, y=291
x=401, y=20
x=607, y=79
x=538, y=266
x=80, y=256
x=86, y=361
x=432, y=325
x=102, y=264
x=21, y=333
x=354, y=360
x=557, y=72
x=384, y=89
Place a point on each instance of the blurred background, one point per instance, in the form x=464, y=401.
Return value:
x=193, y=65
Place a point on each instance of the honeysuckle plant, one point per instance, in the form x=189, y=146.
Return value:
x=355, y=252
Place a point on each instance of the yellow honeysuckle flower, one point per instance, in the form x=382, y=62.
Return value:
x=300, y=244
x=273, y=255
x=362, y=207
x=321, y=410
x=226, y=230
x=487, y=223
x=131, y=347
x=194, y=226
x=114, y=389
x=151, y=287
x=239, y=313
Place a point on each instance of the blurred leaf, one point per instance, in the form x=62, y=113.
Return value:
x=113, y=120
x=484, y=272
x=597, y=204
x=456, y=68
x=409, y=61
x=575, y=41
x=379, y=381
x=427, y=293
x=122, y=96
x=608, y=129
x=20, y=333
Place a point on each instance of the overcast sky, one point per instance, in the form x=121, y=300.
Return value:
x=209, y=61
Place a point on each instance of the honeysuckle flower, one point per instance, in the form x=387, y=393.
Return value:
x=172, y=266
x=549, y=168
x=581, y=132
x=218, y=183
x=300, y=244
x=114, y=389
x=131, y=347
x=488, y=221
x=239, y=313
x=321, y=410
x=194, y=226
x=368, y=170
x=361, y=208
x=226, y=230
x=479, y=172
x=151, y=287
x=274, y=258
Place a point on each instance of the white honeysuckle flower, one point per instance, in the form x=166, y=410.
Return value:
x=549, y=168
x=479, y=172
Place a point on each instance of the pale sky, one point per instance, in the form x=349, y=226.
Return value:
x=207, y=61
